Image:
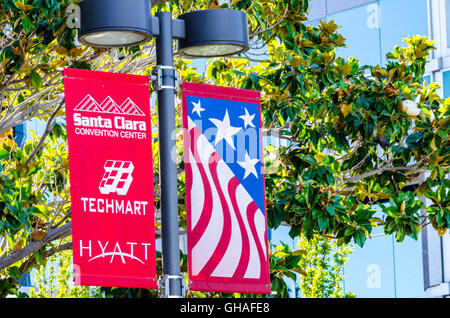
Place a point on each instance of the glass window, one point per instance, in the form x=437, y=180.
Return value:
x=399, y=19
x=384, y=267
x=20, y=134
x=36, y=125
x=446, y=83
x=360, y=28
x=25, y=280
x=369, y=272
x=446, y=256
x=447, y=27
x=336, y=6
x=409, y=268
x=317, y=9
x=314, y=22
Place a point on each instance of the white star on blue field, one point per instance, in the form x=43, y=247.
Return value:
x=233, y=129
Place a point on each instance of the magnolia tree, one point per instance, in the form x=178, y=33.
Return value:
x=356, y=135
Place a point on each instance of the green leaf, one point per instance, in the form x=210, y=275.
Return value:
x=330, y=210
x=36, y=80
x=14, y=273
x=40, y=211
x=198, y=294
x=360, y=237
x=299, y=252
x=38, y=257
x=27, y=24
x=4, y=153
x=323, y=222
x=81, y=65
x=255, y=80
x=295, y=231
x=316, y=213
x=281, y=254
x=18, y=154
x=310, y=159
x=400, y=235
x=349, y=231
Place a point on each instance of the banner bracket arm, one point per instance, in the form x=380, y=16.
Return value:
x=164, y=282
x=157, y=78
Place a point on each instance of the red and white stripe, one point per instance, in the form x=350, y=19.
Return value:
x=226, y=230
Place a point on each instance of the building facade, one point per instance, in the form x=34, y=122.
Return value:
x=372, y=28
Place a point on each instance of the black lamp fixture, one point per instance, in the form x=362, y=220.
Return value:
x=214, y=32
x=115, y=23
x=200, y=34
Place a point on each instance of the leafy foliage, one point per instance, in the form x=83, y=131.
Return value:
x=355, y=134
x=323, y=265
x=284, y=264
x=54, y=280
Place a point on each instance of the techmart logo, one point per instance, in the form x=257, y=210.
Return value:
x=117, y=177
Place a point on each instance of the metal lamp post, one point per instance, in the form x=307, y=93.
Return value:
x=204, y=33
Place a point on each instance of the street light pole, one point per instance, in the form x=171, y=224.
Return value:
x=171, y=279
x=203, y=33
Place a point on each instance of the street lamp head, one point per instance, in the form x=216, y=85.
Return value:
x=115, y=23
x=214, y=32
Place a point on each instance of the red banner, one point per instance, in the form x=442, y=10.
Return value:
x=111, y=178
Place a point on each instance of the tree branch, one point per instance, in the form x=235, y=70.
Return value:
x=156, y=2
x=48, y=130
x=29, y=264
x=59, y=233
x=376, y=171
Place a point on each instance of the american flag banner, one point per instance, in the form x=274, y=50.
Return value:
x=225, y=195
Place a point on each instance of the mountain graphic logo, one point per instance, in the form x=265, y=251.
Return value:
x=108, y=106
